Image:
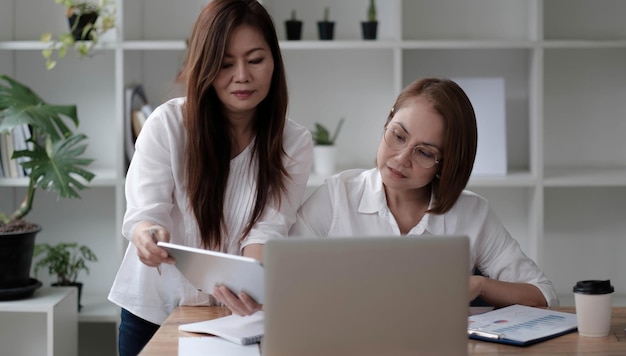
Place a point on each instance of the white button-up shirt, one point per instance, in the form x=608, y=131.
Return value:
x=156, y=191
x=353, y=203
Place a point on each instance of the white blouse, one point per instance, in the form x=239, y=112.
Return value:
x=155, y=191
x=353, y=203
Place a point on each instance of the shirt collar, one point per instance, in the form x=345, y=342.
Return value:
x=373, y=200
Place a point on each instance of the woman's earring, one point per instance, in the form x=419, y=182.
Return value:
x=438, y=176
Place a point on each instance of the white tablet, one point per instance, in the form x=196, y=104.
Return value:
x=205, y=269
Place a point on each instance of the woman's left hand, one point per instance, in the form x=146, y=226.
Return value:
x=240, y=305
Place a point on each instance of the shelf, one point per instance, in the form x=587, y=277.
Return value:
x=338, y=45
x=103, y=178
x=97, y=309
x=44, y=324
x=344, y=45
x=42, y=301
x=583, y=44
x=38, y=45
x=155, y=45
x=512, y=179
x=468, y=44
x=22, y=45
x=585, y=177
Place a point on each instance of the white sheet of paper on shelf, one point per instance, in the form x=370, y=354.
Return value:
x=488, y=99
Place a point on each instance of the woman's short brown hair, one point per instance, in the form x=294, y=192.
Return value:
x=460, y=136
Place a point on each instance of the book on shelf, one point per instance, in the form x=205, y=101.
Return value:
x=242, y=330
x=136, y=110
x=4, y=158
x=7, y=147
x=138, y=120
x=13, y=168
x=520, y=325
x=21, y=134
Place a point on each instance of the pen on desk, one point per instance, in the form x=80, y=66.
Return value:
x=152, y=233
x=486, y=334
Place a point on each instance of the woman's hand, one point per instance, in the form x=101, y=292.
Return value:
x=240, y=305
x=145, y=239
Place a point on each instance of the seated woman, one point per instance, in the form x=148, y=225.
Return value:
x=423, y=164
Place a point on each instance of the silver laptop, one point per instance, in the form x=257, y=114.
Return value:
x=366, y=296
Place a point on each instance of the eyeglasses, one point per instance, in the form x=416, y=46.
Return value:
x=398, y=140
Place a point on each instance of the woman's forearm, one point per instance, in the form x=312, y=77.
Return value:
x=500, y=293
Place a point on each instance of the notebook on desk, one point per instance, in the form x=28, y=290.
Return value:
x=366, y=296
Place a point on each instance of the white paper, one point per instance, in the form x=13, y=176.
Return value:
x=522, y=323
x=234, y=328
x=211, y=345
x=488, y=99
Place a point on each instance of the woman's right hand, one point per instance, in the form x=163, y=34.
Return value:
x=241, y=304
x=145, y=238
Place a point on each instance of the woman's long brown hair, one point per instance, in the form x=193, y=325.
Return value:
x=208, y=149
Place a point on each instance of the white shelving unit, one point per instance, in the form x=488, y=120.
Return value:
x=44, y=324
x=563, y=61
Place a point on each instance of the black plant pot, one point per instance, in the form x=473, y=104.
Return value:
x=74, y=284
x=293, y=29
x=83, y=21
x=16, y=256
x=325, y=30
x=369, y=29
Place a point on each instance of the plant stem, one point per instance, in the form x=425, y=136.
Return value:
x=26, y=204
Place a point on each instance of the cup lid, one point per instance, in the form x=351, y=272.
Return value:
x=594, y=287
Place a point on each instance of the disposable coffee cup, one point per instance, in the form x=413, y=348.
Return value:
x=593, y=307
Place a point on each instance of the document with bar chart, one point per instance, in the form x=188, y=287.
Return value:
x=520, y=325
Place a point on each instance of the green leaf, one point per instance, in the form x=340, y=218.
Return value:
x=57, y=170
x=50, y=65
x=321, y=135
x=65, y=260
x=54, y=152
x=20, y=105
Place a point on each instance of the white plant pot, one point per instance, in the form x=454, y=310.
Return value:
x=324, y=160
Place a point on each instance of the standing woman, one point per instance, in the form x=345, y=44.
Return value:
x=221, y=168
x=424, y=161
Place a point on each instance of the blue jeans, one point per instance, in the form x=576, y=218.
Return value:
x=134, y=333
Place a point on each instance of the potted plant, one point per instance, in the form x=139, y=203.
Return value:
x=370, y=27
x=87, y=22
x=64, y=260
x=52, y=161
x=293, y=27
x=326, y=27
x=324, y=148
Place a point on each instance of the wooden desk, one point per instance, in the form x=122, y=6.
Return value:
x=165, y=341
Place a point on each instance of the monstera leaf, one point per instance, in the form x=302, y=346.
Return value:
x=55, y=170
x=53, y=160
x=20, y=105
